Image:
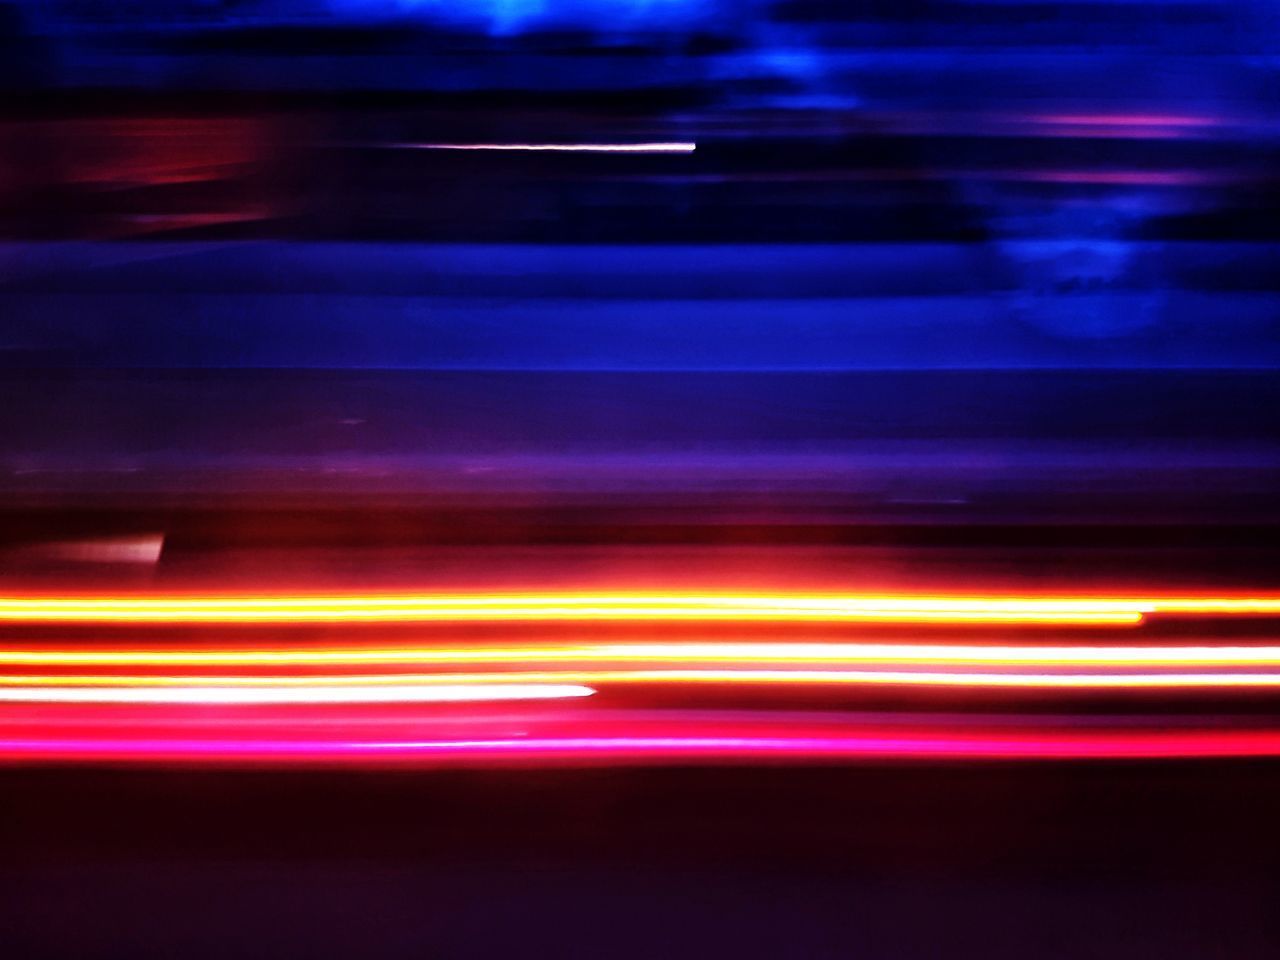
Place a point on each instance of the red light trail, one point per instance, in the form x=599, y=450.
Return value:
x=176, y=692
x=725, y=743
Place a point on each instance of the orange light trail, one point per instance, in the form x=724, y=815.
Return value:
x=1027, y=655
x=578, y=607
x=14, y=687
x=409, y=608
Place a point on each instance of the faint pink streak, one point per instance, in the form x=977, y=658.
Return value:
x=1044, y=745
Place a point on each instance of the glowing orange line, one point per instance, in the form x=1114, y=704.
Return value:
x=625, y=607
x=662, y=653
x=1230, y=606
x=592, y=678
x=553, y=608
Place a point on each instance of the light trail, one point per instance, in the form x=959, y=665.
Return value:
x=16, y=687
x=1215, y=606
x=1159, y=120
x=919, y=744
x=653, y=147
x=625, y=607
x=76, y=690
x=938, y=653
x=743, y=653
x=581, y=607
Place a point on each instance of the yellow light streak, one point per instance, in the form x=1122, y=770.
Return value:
x=597, y=678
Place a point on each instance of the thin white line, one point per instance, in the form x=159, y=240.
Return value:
x=264, y=694
x=657, y=147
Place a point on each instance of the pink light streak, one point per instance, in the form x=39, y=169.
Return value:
x=928, y=744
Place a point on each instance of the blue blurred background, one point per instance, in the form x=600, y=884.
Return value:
x=929, y=260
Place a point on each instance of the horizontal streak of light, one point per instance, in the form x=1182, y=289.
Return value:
x=688, y=652
x=553, y=607
x=634, y=607
x=108, y=550
x=15, y=687
x=905, y=745
x=1127, y=120
x=198, y=691
x=658, y=147
x=1217, y=605
x=1001, y=655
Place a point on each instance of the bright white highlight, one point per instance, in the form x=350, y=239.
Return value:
x=398, y=693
